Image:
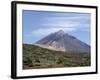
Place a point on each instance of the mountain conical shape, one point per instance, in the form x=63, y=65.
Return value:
x=61, y=41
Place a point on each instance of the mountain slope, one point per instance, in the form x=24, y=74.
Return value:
x=37, y=57
x=61, y=41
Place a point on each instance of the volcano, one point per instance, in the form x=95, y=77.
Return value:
x=61, y=41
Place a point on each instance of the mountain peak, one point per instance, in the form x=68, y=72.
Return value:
x=60, y=32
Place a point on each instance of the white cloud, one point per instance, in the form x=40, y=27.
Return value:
x=68, y=24
x=66, y=18
x=62, y=24
x=46, y=31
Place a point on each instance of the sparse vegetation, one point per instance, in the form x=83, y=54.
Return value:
x=37, y=57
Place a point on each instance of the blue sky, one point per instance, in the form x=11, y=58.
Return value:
x=38, y=24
